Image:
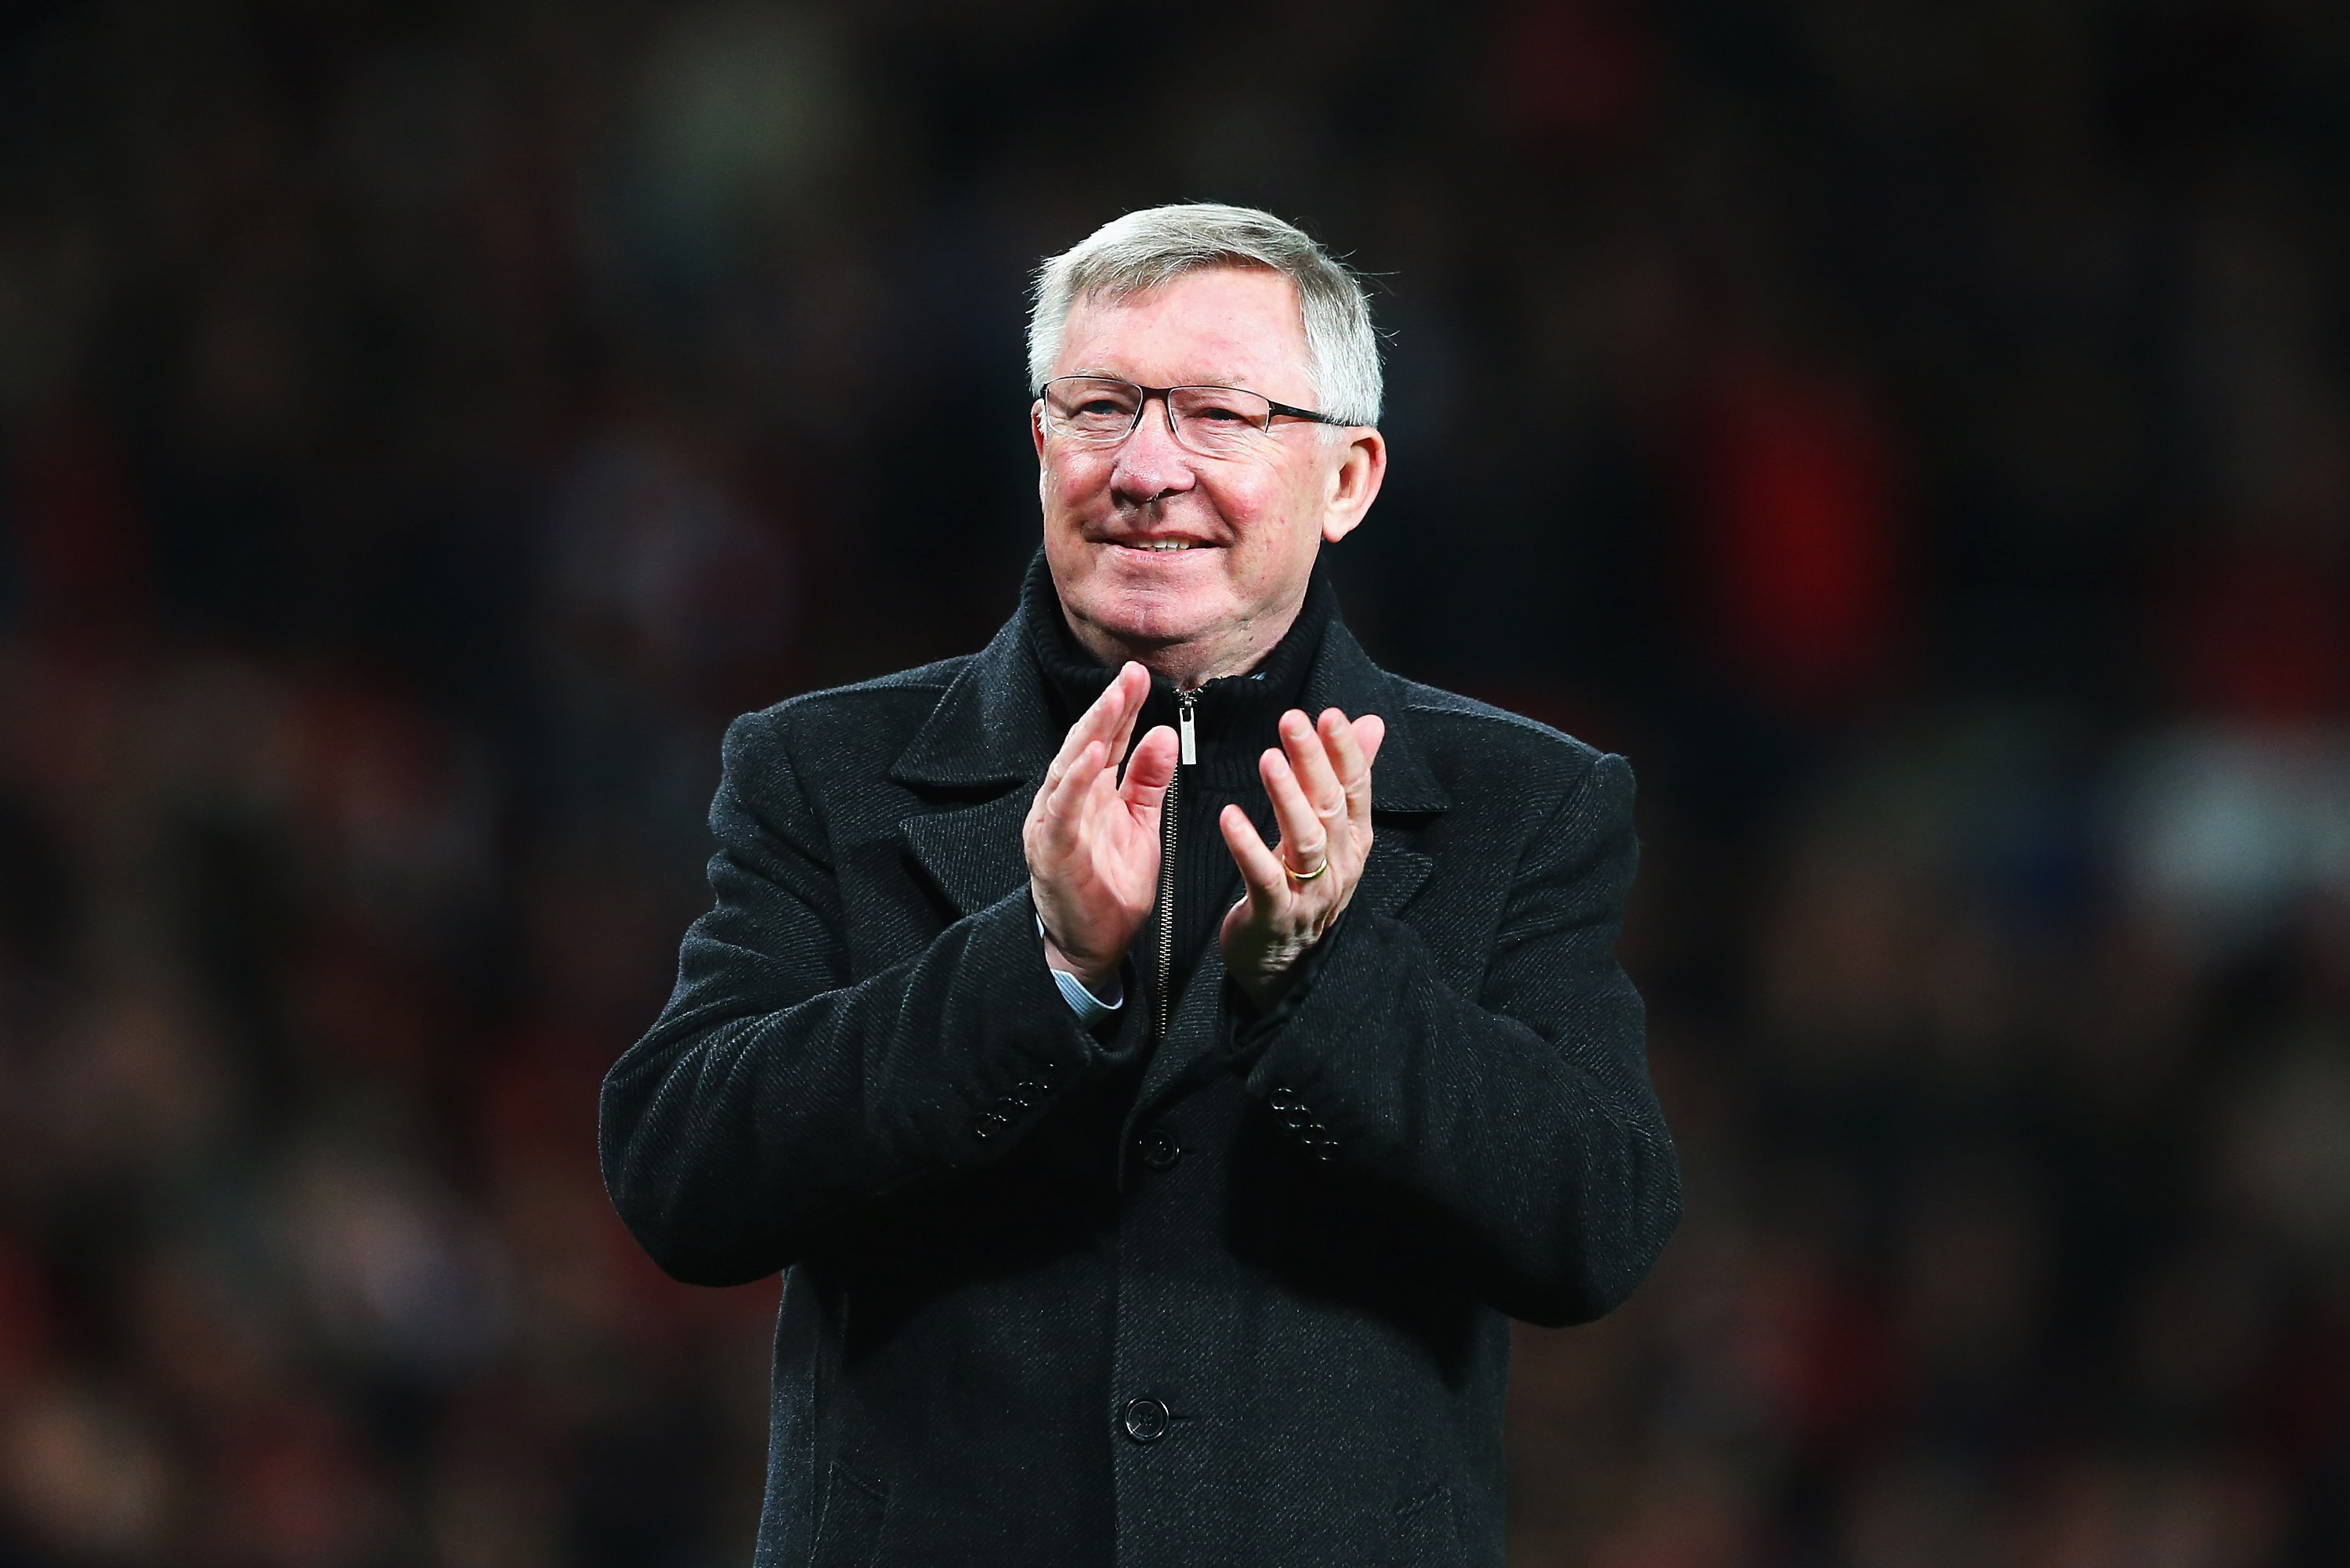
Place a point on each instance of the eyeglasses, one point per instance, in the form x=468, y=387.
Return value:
x=1100, y=411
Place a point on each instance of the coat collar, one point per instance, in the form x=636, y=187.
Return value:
x=993, y=726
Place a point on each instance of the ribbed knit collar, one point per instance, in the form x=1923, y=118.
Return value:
x=1234, y=715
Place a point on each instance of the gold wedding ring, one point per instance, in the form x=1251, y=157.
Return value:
x=1297, y=875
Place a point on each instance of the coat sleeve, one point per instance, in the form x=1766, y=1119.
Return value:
x=1519, y=1124
x=773, y=1097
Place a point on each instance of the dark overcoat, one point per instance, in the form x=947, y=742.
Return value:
x=1061, y=1299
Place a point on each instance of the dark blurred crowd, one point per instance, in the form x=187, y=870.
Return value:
x=1918, y=434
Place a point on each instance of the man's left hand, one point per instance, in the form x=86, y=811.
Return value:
x=1319, y=780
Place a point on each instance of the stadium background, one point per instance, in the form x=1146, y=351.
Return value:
x=1915, y=433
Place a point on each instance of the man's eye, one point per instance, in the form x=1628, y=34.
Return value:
x=1217, y=413
x=1101, y=408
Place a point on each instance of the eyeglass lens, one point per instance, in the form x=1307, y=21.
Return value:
x=1100, y=411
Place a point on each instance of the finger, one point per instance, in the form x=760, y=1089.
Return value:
x=1342, y=743
x=1120, y=703
x=1309, y=758
x=1261, y=875
x=1104, y=719
x=1101, y=789
x=1150, y=770
x=1105, y=723
x=1305, y=837
x=1061, y=813
x=1072, y=743
x=1344, y=752
x=1084, y=769
x=1353, y=745
x=1136, y=681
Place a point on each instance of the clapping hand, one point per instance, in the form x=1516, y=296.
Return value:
x=1320, y=784
x=1092, y=841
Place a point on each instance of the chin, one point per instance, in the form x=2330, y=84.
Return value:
x=1153, y=615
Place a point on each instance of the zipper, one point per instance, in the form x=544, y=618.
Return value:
x=1188, y=752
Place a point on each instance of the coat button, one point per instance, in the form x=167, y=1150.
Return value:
x=1144, y=1420
x=1158, y=1149
x=1283, y=1099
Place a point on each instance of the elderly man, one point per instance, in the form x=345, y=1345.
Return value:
x=1156, y=1134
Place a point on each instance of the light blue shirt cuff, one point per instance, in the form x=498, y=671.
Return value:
x=1090, y=1009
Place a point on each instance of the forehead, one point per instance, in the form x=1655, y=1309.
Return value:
x=1234, y=326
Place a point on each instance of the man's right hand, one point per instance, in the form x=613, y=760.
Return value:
x=1092, y=841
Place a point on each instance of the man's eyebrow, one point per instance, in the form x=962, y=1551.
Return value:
x=1227, y=383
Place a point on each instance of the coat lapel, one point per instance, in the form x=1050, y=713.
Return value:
x=992, y=725
x=1343, y=677
x=1193, y=1034
x=992, y=732
x=1391, y=876
x=973, y=855
x=1402, y=785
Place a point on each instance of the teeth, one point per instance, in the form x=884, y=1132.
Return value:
x=1169, y=545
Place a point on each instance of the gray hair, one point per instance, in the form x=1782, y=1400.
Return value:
x=1148, y=250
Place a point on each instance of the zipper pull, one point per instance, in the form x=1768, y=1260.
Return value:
x=1185, y=727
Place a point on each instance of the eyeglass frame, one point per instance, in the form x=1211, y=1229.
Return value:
x=1164, y=397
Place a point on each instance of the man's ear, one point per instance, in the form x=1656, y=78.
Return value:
x=1354, y=483
x=1036, y=438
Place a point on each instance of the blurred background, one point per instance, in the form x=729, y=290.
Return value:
x=1916, y=433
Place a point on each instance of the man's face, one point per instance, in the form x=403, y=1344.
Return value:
x=1250, y=526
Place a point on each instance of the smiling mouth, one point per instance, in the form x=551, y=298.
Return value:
x=1155, y=546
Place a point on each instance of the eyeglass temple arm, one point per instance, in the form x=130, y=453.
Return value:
x=1319, y=418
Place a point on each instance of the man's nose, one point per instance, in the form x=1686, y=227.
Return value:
x=1149, y=462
